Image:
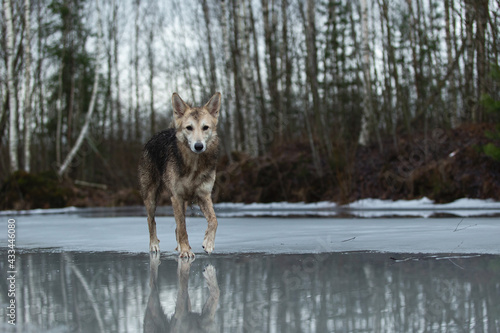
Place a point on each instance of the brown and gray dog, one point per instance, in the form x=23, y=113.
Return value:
x=182, y=160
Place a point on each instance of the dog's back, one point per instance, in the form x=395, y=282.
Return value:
x=159, y=151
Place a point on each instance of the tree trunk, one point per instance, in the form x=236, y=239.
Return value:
x=286, y=64
x=42, y=161
x=272, y=65
x=248, y=84
x=468, y=83
x=151, y=63
x=482, y=16
x=260, y=90
x=59, y=115
x=311, y=128
x=13, y=129
x=312, y=62
x=451, y=114
x=83, y=132
x=239, y=93
x=136, y=71
x=211, y=57
x=118, y=115
x=27, y=86
x=367, y=117
x=415, y=63
x=228, y=140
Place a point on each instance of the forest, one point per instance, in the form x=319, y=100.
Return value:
x=322, y=99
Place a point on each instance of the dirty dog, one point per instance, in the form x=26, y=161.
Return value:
x=182, y=160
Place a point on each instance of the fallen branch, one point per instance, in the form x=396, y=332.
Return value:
x=89, y=184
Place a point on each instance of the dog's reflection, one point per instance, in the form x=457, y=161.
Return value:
x=183, y=320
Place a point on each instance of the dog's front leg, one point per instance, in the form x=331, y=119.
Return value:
x=207, y=208
x=183, y=303
x=181, y=232
x=211, y=303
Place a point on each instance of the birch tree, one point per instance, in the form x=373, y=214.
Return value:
x=228, y=98
x=13, y=129
x=366, y=118
x=83, y=132
x=117, y=108
x=27, y=86
x=152, y=69
x=270, y=18
x=137, y=133
x=211, y=57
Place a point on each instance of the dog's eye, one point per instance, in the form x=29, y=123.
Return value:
x=205, y=127
x=189, y=128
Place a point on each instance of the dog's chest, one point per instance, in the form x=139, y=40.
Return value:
x=194, y=182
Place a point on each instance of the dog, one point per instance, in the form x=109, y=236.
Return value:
x=182, y=160
x=184, y=319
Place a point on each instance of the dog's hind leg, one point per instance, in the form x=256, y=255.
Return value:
x=183, y=246
x=207, y=208
x=150, y=201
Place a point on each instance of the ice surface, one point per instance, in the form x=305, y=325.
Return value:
x=71, y=232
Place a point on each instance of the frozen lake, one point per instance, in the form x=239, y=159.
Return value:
x=89, y=271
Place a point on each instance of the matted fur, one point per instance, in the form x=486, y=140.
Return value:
x=182, y=160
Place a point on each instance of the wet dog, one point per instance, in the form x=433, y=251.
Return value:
x=182, y=160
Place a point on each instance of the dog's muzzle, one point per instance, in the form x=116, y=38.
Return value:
x=199, y=147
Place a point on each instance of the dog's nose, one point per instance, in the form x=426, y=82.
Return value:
x=198, y=146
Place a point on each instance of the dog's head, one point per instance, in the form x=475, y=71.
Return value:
x=196, y=126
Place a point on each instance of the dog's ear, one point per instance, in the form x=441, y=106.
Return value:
x=213, y=105
x=179, y=106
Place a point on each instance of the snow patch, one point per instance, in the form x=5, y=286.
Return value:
x=40, y=211
x=365, y=208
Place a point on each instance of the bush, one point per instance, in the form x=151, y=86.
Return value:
x=28, y=191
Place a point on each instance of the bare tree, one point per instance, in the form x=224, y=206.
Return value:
x=468, y=78
x=240, y=135
x=228, y=98
x=27, y=86
x=211, y=57
x=13, y=129
x=482, y=16
x=117, y=108
x=367, y=117
x=286, y=64
x=259, y=95
x=270, y=22
x=451, y=93
x=152, y=68
x=137, y=132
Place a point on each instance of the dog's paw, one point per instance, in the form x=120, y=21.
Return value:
x=154, y=246
x=154, y=259
x=208, y=244
x=210, y=276
x=186, y=254
x=209, y=272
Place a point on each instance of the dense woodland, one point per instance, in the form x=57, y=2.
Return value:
x=84, y=84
